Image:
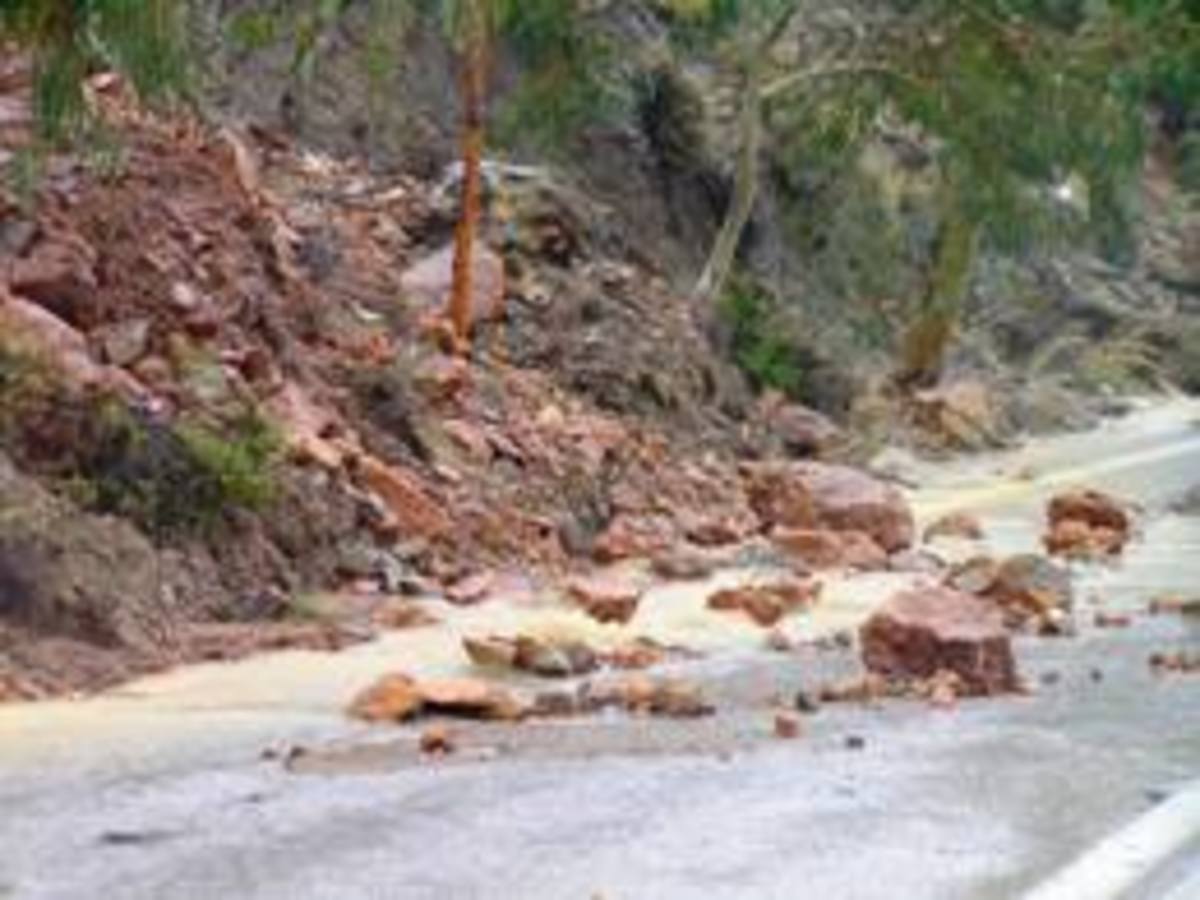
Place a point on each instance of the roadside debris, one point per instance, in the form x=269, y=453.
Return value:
x=919, y=632
x=1087, y=525
x=767, y=603
x=787, y=726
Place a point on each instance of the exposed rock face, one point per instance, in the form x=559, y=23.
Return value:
x=920, y=632
x=816, y=495
x=87, y=578
x=824, y=549
x=1087, y=525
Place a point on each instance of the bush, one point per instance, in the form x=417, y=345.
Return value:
x=760, y=348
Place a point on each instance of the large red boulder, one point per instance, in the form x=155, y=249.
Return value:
x=822, y=495
x=920, y=632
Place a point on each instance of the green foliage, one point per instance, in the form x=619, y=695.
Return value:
x=760, y=347
x=171, y=478
x=68, y=39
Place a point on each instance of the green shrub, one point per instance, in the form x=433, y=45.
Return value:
x=760, y=347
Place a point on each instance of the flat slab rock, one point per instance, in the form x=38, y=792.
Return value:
x=920, y=632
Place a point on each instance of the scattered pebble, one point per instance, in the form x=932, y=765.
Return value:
x=437, y=740
x=787, y=726
x=855, y=742
x=806, y=703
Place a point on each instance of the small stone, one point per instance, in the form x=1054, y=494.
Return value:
x=1112, y=620
x=1051, y=678
x=393, y=698
x=437, y=740
x=778, y=642
x=855, y=742
x=787, y=726
x=960, y=525
x=1096, y=675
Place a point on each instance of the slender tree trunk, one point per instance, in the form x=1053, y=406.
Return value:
x=930, y=333
x=745, y=191
x=472, y=88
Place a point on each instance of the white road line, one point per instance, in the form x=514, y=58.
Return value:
x=1127, y=859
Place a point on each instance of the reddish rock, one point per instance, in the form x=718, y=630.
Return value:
x=820, y=495
x=629, y=537
x=766, y=604
x=1112, y=620
x=472, y=589
x=682, y=564
x=718, y=531
x=787, y=726
x=399, y=614
x=955, y=525
x=1087, y=525
x=393, y=698
x=491, y=652
x=437, y=740
x=417, y=511
x=470, y=698
x=605, y=598
x=59, y=274
x=921, y=631
x=672, y=697
x=868, y=688
x=824, y=549
x=803, y=432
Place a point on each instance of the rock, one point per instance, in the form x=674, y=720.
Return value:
x=918, y=632
x=124, y=343
x=627, y=537
x=1029, y=586
x=491, y=652
x=418, y=513
x=801, y=431
x=815, y=495
x=682, y=564
x=766, y=604
x=555, y=704
x=639, y=654
x=824, y=549
x=868, y=688
x=472, y=589
x=68, y=574
x=427, y=283
x=918, y=562
x=1180, y=662
x=1112, y=620
x=59, y=346
x=961, y=414
x=59, y=275
x=718, y=531
x=960, y=525
x=1086, y=525
x=673, y=698
x=679, y=699
x=606, y=598
x=437, y=740
x=787, y=726
x=395, y=613
x=1172, y=604
x=855, y=742
x=393, y=698
x=554, y=660
x=974, y=576
x=470, y=698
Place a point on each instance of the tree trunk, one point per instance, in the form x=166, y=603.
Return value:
x=472, y=88
x=745, y=190
x=931, y=331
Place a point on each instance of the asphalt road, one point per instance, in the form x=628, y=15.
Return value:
x=161, y=793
